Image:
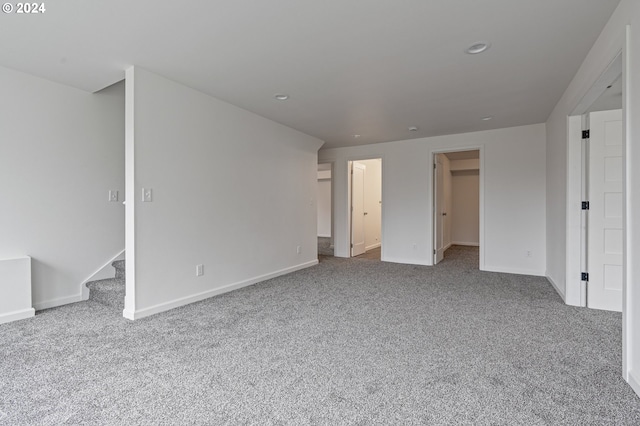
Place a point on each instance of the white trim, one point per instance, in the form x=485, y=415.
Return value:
x=557, y=288
x=372, y=246
x=628, y=308
x=176, y=303
x=15, y=258
x=464, y=243
x=324, y=236
x=104, y=272
x=130, y=189
x=52, y=303
x=633, y=382
x=17, y=315
x=503, y=270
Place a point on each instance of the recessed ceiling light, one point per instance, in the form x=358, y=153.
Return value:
x=487, y=118
x=413, y=129
x=281, y=97
x=356, y=136
x=478, y=47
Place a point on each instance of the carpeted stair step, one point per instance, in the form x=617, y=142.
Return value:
x=111, y=291
x=120, y=271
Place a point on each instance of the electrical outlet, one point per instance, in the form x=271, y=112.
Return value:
x=528, y=253
x=113, y=196
x=415, y=247
x=146, y=195
x=199, y=270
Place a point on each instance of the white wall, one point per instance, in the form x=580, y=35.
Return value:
x=324, y=204
x=610, y=41
x=372, y=205
x=465, y=227
x=15, y=288
x=231, y=190
x=62, y=151
x=514, y=196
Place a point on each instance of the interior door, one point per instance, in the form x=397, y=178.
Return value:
x=604, y=224
x=357, y=209
x=438, y=209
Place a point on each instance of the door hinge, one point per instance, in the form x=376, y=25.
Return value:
x=584, y=276
x=585, y=205
x=434, y=252
x=585, y=134
x=434, y=166
x=351, y=245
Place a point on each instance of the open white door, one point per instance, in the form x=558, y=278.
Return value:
x=438, y=209
x=605, y=233
x=357, y=209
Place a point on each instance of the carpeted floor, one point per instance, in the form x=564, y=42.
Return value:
x=344, y=342
x=373, y=254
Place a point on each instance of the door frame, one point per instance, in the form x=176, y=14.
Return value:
x=350, y=160
x=575, y=290
x=438, y=218
x=431, y=198
x=577, y=174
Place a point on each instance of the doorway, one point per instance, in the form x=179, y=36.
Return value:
x=325, y=209
x=365, y=198
x=456, y=203
x=602, y=193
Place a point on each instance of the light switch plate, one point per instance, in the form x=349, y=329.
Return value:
x=113, y=195
x=147, y=195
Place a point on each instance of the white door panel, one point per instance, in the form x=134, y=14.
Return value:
x=605, y=233
x=357, y=209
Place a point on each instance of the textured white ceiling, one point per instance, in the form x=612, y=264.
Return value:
x=367, y=67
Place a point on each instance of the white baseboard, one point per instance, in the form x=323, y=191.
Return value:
x=324, y=236
x=516, y=271
x=176, y=303
x=465, y=243
x=17, y=315
x=633, y=382
x=555, y=286
x=373, y=246
x=104, y=272
x=52, y=303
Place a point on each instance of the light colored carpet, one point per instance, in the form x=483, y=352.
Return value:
x=344, y=342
